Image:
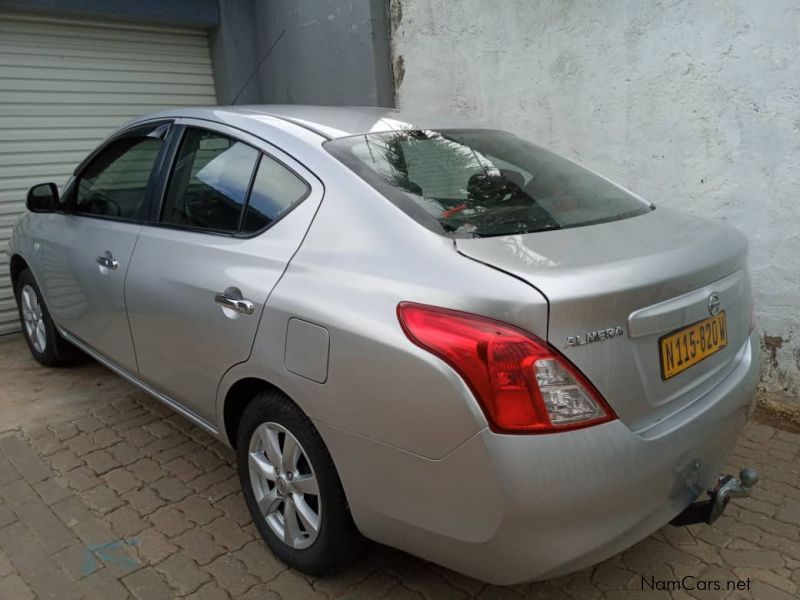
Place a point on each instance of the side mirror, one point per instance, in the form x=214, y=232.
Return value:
x=43, y=198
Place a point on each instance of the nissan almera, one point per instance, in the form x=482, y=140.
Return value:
x=436, y=336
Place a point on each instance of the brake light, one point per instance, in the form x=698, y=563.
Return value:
x=521, y=382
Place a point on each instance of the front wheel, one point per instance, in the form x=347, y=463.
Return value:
x=44, y=341
x=292, y=489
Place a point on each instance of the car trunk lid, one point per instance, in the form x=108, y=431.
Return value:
x=615, y=289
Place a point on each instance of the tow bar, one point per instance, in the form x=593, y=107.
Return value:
x=708, y=511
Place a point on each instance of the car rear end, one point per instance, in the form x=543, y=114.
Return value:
x=613, y=423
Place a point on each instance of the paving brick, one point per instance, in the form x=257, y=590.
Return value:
x=48, y=444
x=24, y=459
x=757, y=558
x=144, y=500
x=103, y=438
x=64, y=431
x=64, y=460
x=102, y=499
x=124, y=453
x=101, y=461
x=762, y=591
x=6, y=568
x=121, y=480
x=146, y=584
x=171, y=489
x=52, y=490
x=259, y=561
x=81, y=479
x=182, y=469
x=204, y=460
x=170, y=521
x=770, y=578
x=206, y=480
x=81, y=444
x=46, y=579
x=153, y=547
x=220, y=490
x=789, y=512
x=199, y=546
x=102, y=585
x=138, y=436
x=230, y=574
x=235, y=509
x=159, y=429
x=73, y=559
x=147, y=470
x=182, y=574
x=172, y=452
x=227, y=533
x=7, y=471
x=209, y=591
x=126, y=522
x=198, y=509
x=88, y=424
x=14, y=588
x=7, y=516
x=77, y=516
x=291, y=585
x=262, y=592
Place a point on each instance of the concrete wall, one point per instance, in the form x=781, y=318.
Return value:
x=323, y=52
x=693, y=104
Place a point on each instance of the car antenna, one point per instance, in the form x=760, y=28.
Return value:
x=258, y=66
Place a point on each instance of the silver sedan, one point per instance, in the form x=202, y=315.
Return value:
x=435, y=336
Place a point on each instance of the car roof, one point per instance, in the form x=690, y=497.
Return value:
x=328, y=121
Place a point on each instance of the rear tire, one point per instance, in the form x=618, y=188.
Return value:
x=45, y=343
x=287, y=476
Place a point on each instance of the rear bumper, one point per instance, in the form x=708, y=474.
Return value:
x=513, y=508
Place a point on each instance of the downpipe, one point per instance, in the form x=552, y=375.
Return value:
x=728, y=486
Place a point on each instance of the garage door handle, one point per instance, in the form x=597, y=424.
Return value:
x=108, y=261
x=240, y=305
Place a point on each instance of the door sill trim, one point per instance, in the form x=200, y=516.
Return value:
x=184, y=412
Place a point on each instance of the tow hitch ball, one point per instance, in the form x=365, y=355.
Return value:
x=707, y=511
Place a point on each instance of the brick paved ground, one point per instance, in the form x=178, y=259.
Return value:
x=116, y=496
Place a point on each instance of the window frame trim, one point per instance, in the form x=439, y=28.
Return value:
x=167, y=171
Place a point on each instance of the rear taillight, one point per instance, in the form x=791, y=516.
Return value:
x=522, y=383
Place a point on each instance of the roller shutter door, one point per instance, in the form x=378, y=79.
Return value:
x=65, y=85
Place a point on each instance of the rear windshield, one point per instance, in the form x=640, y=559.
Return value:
x=482, y=183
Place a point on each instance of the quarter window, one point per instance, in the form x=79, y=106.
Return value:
x=275, y=191
x=114, y=184
x=209, y=183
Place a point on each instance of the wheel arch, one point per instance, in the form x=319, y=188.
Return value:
x=17, y=266
x=238, y=396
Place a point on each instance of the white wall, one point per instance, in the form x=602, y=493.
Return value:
x=694, y=105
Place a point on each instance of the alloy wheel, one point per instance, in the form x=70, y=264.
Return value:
x=33, y=318
x=285, y=485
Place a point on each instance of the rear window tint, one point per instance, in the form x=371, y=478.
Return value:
x=482, y=183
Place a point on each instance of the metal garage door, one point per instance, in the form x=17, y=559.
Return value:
x=65, y=85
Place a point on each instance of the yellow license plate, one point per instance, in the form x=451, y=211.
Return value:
x=688, y=346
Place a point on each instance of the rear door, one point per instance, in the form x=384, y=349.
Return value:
x=233, y=211
x=84, y=253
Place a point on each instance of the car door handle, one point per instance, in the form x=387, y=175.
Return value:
x=108, y=261
x=240, y=305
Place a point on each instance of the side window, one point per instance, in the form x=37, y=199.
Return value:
x=275, y=190
x=209, y=182
x=114, y=184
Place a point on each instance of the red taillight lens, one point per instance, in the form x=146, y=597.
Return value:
x=521, y=382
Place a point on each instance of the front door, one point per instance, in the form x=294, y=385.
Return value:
x=231, y=218
x=88, y=249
